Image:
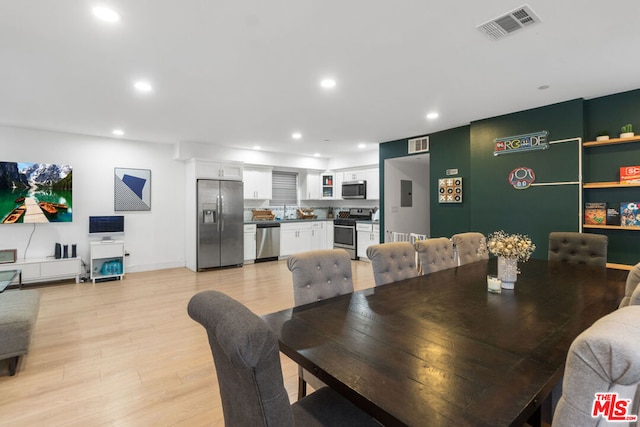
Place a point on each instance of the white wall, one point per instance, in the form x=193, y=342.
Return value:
x=154, y=239
x=414, y=219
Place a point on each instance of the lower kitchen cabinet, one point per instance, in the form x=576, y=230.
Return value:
x=296, y=237
x=367, y=234
x=249, y=242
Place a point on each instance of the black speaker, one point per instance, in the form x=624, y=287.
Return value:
x=74, y=252
x=58, y=252
x=65, y=251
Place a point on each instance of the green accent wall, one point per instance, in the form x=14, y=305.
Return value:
x=539, y=209
x=491, y=204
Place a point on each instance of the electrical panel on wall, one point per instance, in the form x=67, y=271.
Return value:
x=450, y=190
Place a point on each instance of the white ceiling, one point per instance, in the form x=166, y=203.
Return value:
x=245, y=73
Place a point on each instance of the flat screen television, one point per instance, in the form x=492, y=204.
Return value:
x=106, y=226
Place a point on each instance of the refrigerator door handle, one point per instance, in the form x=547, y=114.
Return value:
x=220, y=203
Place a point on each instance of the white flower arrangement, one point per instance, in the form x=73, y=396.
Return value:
x=516, y=246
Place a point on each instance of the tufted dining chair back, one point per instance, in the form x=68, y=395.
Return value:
x=632, y=288
x=320, y=274
x=469, y=247
x=578, y=248
x=435, y=254
x=246, y=356
x=602, y=359
x=392, y=262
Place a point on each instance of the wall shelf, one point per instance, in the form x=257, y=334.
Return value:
x=611, y=227
x=609, y=185
x=611, y=141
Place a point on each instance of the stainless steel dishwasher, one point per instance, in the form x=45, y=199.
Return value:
x=267, y=241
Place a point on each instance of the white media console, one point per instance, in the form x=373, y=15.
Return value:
x=46, y=269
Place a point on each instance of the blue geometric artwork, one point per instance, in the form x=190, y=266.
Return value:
x=132, y=189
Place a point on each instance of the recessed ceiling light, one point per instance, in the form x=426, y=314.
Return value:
x=328, y=83
x=316, y=154
x=363, y=145
x=256, y=147
x=543, y=87
x=433, y=115
x=105, y=14
x=118, y=132
x=296, y=135
x=142, y=86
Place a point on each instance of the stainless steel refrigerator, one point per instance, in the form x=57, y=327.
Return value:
x=220, y=223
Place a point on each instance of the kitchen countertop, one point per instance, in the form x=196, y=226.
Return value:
x=281, y=221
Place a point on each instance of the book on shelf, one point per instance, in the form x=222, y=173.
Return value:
x=595, y=213
x=613, y=214
x=629, y=214
x=629, y=174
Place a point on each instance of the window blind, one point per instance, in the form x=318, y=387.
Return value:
x=284, y=186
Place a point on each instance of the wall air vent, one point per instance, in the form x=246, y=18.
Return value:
x=419, y=145
x=506, y=24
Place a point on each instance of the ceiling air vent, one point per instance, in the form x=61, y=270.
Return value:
x=419, y=145
x=506, y=24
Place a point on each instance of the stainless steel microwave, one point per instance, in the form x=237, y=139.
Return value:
x=354, y=190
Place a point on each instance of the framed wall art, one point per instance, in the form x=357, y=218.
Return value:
x=132, y=189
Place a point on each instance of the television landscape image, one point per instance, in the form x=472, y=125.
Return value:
x=35, y=192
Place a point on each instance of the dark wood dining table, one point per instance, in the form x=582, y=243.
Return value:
x=439, y=350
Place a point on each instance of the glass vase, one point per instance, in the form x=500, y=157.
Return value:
x=508, y=271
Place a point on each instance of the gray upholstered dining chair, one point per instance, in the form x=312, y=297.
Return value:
x=435, y=254
x=318, y=275
x=578, y=248
x=602, y=359
x=469, y=247
x=392, y=262
x=247, y=362
x=632, y=288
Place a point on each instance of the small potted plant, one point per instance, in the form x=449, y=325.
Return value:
x=626, y=131
x=603, y=135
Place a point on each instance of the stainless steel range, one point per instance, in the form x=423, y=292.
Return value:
x=344, y=229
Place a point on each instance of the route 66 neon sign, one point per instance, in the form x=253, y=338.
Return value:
x=521, y=178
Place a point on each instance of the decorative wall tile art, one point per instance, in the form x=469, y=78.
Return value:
x=450, y=190
x=132, y=189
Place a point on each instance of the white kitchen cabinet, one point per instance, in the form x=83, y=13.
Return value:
x=328, y=189
x=321, y=235
x=367, y=234
x=215, y=170
x=355, y=175
x=107, y=259
x=372, y=177
x=338, y=179
x=311, y=188
x=257, y=183
x=295, y=237
x=249, y=243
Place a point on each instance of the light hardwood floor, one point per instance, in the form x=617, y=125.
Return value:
x=126, y=353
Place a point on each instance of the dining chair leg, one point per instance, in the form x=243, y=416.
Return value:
x=302, y=388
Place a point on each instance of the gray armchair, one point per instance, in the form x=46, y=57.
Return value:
x=392, y=262
x=604, y=358
x=578, y=248
x=318, y=275
x=247, y=363
x=632, y=289
x=469, y=247
x=435, y=254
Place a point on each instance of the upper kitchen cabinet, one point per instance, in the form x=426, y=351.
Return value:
x=354, y=175
x=310, y=187
x=328, y=186
x=257, y=183
x=372, y=176
x=214, y=170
